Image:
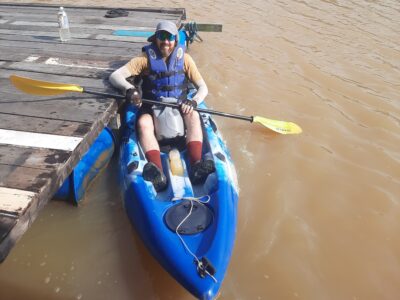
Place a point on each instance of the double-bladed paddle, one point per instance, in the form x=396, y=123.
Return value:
x=45, y=88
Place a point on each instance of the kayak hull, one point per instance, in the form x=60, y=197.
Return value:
x=147, y=210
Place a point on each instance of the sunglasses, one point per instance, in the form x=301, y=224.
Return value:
x=164, y=35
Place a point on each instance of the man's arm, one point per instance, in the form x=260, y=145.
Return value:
x=194, y=76
x=134, y=67
x=202, y=91
x=118, y=79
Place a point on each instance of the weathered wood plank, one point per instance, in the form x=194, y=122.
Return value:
x=15, y=201
x=43, y=125
x=148, y=12
x=10, y=34
x=103, y=38
x=34, y=25
x=62, y=67
x=27, y=179
x=25, y=54
x=87, y=82
x=53, y=38
x=66, y=47
x=205, y=27
x=89, y=10
x=36, y=158
x=80, y=109
x=84, y=110
x=38, y=140
x=141, y=19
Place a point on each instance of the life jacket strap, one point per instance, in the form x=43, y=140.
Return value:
x=169, y=88
x=158, y=75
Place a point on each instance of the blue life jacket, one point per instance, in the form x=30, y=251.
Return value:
x=165, y=80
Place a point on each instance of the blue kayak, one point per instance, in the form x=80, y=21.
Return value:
x=91, y=164
x=189, y=229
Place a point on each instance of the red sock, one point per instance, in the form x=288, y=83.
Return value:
x=154, y=157
x=194, y=151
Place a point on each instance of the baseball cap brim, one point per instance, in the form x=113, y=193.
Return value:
x=164, y=26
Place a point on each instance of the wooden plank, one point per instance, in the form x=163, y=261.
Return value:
x=85, y=10
x=83, y=111
x=85, y=18
x=64, y=65
x=78, y=111
x=38, y=140
x=101, y=40
x=15, y=201
x=87, y=82
x=7, y=54
x=53, y=38
x=82, y=17
x=37, y=158
x=22, y=178
x=205, y=27
x=12, y=34
x=43, y=125
x=66, y=47
x=58, y=66
x=78, y=26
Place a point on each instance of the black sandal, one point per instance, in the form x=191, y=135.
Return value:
x=116, y=13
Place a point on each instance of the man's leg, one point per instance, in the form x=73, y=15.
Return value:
x=148, y=140
x=194, y=140
x=153, y=170
x=194, y=136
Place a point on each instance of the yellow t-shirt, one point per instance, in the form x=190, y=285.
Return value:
x=140, y=65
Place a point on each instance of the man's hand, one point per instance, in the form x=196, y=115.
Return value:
x=187, y=106
x=133, y=96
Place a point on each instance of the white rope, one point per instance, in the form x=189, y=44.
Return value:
x=192, y=199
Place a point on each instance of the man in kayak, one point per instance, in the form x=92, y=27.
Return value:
x=165, y=69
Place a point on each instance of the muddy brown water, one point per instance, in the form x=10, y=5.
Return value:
x=319, y=213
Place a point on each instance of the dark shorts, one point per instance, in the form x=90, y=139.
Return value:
x=145, y=109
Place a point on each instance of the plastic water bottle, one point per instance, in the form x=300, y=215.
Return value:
x=175, y=162
x=63, y=25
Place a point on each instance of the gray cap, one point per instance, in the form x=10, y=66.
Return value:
x=164, y=26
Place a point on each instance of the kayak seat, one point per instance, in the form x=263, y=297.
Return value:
x=167, y=145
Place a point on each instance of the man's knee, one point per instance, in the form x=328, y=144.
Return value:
x=145, y=123
x=192, y=119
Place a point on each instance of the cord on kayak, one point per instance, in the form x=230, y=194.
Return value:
x=199, y=262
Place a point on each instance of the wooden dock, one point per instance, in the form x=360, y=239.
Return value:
x=42, y=138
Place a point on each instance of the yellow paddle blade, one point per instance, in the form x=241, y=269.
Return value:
x=43, y=88
x=278, y=126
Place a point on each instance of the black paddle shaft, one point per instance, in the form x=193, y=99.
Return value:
x=207, y=111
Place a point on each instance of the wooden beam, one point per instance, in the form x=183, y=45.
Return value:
x=204, y=27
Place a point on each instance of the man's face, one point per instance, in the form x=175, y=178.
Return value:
x=165, y=42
